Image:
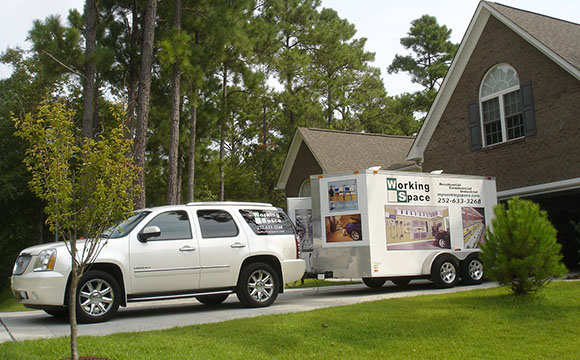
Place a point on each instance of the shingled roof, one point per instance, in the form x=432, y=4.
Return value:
x=557, y=39
x=558, y=35
x=341, y=151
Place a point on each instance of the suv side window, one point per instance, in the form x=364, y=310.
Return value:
x=217, y=224
x=268, y=222
x=174, y=225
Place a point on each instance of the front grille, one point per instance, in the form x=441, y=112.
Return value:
x=21, y=264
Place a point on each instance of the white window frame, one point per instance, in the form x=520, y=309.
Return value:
x=500, y=95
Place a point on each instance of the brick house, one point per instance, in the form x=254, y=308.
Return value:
x=509, y=107
x=318, y=151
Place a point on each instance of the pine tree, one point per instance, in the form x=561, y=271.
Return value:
x=521, y=249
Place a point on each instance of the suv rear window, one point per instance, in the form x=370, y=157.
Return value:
x=216, y=224
x=268, y=222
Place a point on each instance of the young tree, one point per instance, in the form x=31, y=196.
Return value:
x=86, y=183
x=521, y=250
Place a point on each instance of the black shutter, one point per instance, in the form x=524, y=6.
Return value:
x=529, y=114
x=474, y=126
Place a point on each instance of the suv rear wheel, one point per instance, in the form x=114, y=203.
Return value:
x=374, y=283
x=258, y=285
x=212, y=299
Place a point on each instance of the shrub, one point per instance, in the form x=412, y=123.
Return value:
x=521, y=251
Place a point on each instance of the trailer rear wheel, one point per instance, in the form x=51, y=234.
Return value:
x=444, y=271
x=374, y=283
x=472, y=270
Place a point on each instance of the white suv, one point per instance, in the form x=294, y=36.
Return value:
x=201, y=250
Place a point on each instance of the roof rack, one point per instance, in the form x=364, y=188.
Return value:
x=228, y=203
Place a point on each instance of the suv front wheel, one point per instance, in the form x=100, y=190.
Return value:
x=258, y=285
x=97, y=297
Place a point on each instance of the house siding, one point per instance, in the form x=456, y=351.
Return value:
x=304, y=166
x=551, y=155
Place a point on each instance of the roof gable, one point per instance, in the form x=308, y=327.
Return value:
x=555, y=38
x=339, y=151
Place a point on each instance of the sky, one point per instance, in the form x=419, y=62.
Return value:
x=382, y=22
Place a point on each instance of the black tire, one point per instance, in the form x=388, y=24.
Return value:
x=444, y=272
x=57, y=313
x=98, y=297
x=374, y=283
x=212, y=299
x=472, y=270
x=258, y=285
x=355, y=235
x=442, y=243
x=401, y=281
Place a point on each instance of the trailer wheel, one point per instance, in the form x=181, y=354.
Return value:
x=444, y=272
x=472, y=270
x=355, y=235
x=401, y=281
x=374, y=283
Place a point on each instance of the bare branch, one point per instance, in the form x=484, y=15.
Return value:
x=63, y=64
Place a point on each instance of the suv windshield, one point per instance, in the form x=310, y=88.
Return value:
x=126, y=226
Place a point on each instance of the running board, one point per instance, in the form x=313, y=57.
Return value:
x=177, y=296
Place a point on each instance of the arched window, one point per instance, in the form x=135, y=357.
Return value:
x=305, y=189
x=502, y=109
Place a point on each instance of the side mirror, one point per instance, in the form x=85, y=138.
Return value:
x=148, y=233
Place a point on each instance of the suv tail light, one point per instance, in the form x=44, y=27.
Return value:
x=297, y=245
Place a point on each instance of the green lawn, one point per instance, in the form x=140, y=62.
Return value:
x=8, y=302
x=478, y=324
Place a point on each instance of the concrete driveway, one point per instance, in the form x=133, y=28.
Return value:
x=27, y=325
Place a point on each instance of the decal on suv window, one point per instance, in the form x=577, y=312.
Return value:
x=268, y=222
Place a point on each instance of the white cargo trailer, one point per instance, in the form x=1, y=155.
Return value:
x=398, y=226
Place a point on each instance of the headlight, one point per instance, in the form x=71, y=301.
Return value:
x=45, y=260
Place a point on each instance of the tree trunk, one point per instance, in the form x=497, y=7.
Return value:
x=179, y=179
x=223, y=135
x=192, y=135
x=143, y=98
x=74, y=281
x=90, y=68
x=172, y=187
x=132, y=82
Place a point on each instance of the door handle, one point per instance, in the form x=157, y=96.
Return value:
x=238, y=245
x=187, y=248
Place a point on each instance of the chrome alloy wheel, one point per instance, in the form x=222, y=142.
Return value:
x=447, y=272
x=96, y=297
x=261, y=285
x=475, y=270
